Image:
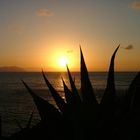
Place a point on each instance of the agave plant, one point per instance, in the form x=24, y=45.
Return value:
x=81, y=117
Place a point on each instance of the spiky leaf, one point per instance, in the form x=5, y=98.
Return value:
x=73, y=88
x=68, y=93
x=86, y=87
x=110, y=91
x=59, y=101
x=45, y=109
x=30, y=120
x=133, y=95
x=19, y=125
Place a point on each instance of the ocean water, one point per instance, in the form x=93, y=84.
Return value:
x=16, y=103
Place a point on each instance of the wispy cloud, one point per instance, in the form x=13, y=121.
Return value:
x=17, y=28
x=129, y=47
x=135, y=5
x=69, y=51
x=44, y=13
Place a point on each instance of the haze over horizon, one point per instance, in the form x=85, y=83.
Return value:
x=47, y=33
x=33, y=69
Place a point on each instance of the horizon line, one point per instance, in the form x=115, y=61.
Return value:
x=28, y=71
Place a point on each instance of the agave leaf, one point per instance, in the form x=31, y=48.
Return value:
x=45, y=109
x=132, y=99
x=30, y=120
x=110, y=91
x=68, y=93
x=59, y=101
x=69, y=113
x=73, y=88
x=18, y=124
x=73, y=112
x=86, y=87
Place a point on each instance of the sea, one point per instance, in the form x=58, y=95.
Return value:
x=16, y=104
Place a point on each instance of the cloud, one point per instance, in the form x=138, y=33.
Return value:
x=129, y=47
x=17, y=28
x=44, y=13
x=70, y=51
x=135, y=5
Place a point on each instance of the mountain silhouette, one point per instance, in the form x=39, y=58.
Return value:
x=11, y=69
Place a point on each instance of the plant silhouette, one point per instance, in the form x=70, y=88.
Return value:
x=80, y=116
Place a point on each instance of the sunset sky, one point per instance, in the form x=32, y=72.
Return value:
x=37, y=34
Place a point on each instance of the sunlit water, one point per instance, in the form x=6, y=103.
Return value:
x=16, y=103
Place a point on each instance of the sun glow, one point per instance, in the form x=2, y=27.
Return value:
x=63, y=61
x=58, y=57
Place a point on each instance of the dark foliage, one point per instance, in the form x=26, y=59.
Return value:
x=82, y=117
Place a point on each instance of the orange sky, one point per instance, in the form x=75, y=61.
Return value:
x=37, y=34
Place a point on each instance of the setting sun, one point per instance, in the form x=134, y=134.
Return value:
x=58, y=57
x=63, y=61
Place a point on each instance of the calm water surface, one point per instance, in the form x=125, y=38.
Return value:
x=16, y=104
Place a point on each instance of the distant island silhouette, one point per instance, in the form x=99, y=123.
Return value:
x=11, y=69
